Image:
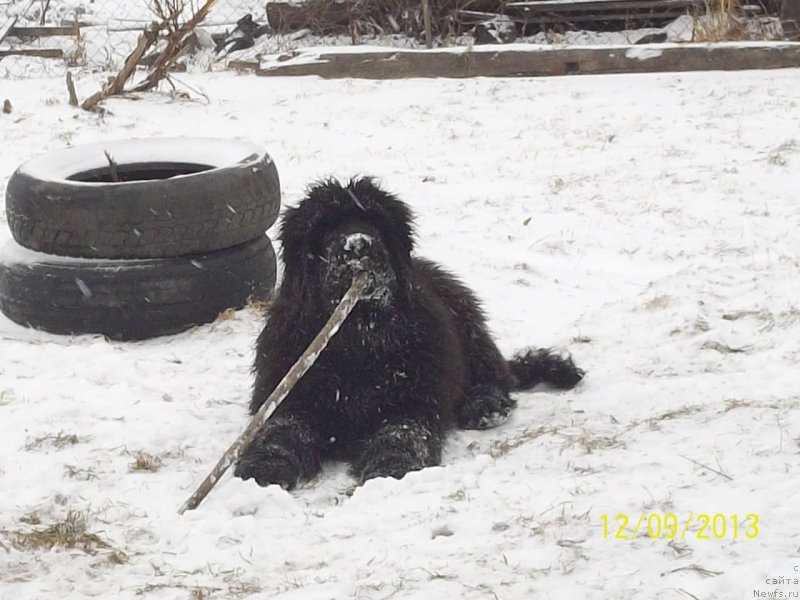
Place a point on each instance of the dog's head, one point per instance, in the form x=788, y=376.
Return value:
x=338, y=230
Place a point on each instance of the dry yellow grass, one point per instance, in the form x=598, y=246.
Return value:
x=71, y=532
x=719, y=23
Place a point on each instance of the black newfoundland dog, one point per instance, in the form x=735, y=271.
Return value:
x=412, y=360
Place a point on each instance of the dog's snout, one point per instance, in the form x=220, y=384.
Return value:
x=357, y=243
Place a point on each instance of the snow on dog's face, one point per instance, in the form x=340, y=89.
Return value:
x=340, y=229
x=349, y=248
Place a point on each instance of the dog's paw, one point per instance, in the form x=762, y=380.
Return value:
x=532, y=367
x=485, y=407
x=269, y=466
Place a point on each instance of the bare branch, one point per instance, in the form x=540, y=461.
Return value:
x=73, y=97
x=112, y=167
x=168, y=13
x=117, y=84
x=699, y=464
x=170, y=54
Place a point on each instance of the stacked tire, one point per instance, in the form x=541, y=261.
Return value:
x=135, y=239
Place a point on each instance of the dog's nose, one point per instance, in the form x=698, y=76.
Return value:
x=357, y=243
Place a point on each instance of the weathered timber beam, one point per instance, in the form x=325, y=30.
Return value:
x=46, y=31
x=535, y=62
x=39, y=53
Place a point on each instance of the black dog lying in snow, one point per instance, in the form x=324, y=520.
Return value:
x=413, y=359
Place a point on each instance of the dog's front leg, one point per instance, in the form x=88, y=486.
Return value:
x=399, y=445
x=286, y=452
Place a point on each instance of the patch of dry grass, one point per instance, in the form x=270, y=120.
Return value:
x=259, y=307
x=591, y=441
x=80, y=473
x=229, y=314
x=235, y=587
x=502, y=447
x=719, y=23
x=58, y=441
x=144, y=461
x=70, y=533
x=675, y=413
x=723, y=348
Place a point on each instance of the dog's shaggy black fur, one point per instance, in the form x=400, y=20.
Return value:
x=414, y=357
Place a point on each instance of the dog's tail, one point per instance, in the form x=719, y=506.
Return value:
x=531, y=367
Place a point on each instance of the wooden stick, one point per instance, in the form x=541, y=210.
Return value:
x=299, y=368
x=426, y=16
x=112, y=167
x=699, y=464
x=73, y=97
x=44, y=12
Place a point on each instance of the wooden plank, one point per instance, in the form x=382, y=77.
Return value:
x=243, y=65
x=591, y=5
x=578, y=5
x=595, y=18
x=400, y=64
x=40, y=53
x=78, y=24
x=790, y=16
x=45, y=31
x=6, y=27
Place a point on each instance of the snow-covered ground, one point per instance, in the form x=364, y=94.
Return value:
x=648, y=224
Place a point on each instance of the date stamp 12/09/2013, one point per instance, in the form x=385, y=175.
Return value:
x=669, y=526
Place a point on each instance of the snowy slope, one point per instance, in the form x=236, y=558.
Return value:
x=649, y=224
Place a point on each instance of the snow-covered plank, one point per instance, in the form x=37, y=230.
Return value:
x=520, y=60
x=34, y=52
x=581, y=5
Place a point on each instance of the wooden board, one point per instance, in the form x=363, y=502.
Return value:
x=536, y=62
x=548, y=18
x=48, y=31
x=6, y=27
x=39, y=53
x=790, y=15
x=585, y=5
x=243, y=65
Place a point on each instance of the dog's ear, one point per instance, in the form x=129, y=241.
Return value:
x=329, y=203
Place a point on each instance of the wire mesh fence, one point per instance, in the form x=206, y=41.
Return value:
x=45, y=36
x=93, y=34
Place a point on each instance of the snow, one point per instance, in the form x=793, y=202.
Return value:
x=643, y=53
x=646, y=223
x=12, y=253
x=63, y=163
x=357, y=241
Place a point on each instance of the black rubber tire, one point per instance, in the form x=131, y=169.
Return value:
x=132, y=299
x=177, y=196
